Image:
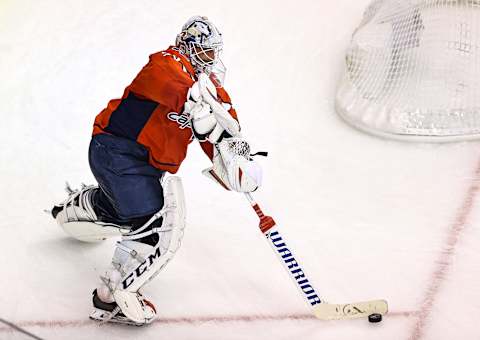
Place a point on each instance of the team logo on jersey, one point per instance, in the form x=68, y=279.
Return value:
x=182, y=119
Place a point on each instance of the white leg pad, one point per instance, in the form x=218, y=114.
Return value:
x=171, y=234
x=78, y=219
x=134, y=263
x=91, y=231
x=133, y=308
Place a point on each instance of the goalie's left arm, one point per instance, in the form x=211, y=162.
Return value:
x=233, y=167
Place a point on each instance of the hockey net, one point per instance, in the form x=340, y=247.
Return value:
x=413, y=70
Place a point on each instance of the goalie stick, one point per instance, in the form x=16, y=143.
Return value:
x=321, y=309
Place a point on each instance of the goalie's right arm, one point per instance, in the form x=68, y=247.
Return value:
x=209, y=117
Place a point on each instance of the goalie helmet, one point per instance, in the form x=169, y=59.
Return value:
x=202, y=43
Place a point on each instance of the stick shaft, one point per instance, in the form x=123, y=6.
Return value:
x=284, y=254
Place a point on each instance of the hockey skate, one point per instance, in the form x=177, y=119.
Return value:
x=110, y=312
x=77, y=217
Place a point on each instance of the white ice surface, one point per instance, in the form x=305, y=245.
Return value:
x=368, y=218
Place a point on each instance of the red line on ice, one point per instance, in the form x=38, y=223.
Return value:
x=183, y=320
x=445, y=258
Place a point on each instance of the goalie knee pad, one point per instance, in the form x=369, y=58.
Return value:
x=77, y=217
x=135, y=263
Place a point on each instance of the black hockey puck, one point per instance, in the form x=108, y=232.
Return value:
x=374, y=318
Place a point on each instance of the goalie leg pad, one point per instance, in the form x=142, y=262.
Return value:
x=110, y=312
x=92, y=231
x=135, y=263
x=77, y=217
x=77, y=207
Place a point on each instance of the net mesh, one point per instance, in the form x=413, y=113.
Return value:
x=412, y=70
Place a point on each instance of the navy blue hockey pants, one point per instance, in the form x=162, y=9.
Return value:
x=129, y=186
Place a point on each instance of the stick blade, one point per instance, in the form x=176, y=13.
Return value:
x=328, y=311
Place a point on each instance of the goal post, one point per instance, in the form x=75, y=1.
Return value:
x=412, y=71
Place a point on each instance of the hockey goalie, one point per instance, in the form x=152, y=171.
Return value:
x=176, y=98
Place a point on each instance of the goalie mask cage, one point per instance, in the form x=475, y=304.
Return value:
x=412, y=71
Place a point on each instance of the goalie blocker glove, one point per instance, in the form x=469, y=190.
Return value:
x=210, y=119
x=202, y=119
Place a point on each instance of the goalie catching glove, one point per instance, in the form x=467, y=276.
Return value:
x=209, y=117
x=233, y=168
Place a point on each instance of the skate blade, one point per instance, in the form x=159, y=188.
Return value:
x=104, y=317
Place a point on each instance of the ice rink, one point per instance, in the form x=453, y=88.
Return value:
x=368, y=218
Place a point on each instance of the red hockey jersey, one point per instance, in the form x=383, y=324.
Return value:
x=150, y=111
